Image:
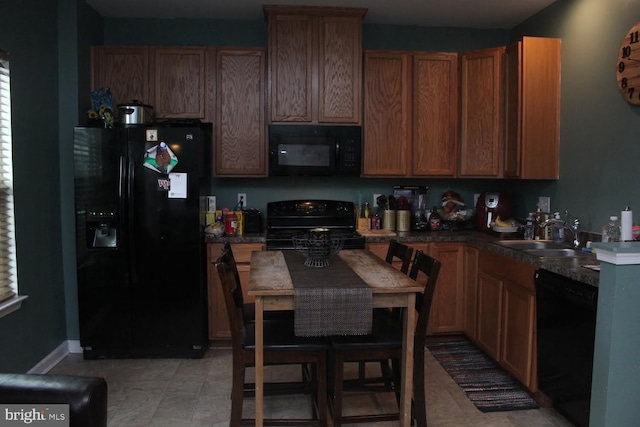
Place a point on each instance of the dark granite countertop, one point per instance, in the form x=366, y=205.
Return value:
x=571, y=267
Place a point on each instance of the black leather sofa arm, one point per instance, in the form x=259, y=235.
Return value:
x=86, y=396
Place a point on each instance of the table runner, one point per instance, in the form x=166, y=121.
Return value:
x=331, y=300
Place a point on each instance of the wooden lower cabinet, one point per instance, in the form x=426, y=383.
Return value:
x=518, y=331
x=506, y=314
x=490, y=290
x=447, y=314
x=218, y=320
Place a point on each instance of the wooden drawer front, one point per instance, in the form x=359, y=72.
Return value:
x=515, y=271
x=242, y=252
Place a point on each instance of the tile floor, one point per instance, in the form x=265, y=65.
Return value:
x=195, y=392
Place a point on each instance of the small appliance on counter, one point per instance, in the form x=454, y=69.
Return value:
x=252, y=221
x=491, y=205
x=416, y=195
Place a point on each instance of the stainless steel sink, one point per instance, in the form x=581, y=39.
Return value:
x=542, y=248
x=554, y=252
x=531, y=244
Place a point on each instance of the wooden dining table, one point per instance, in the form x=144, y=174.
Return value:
x=271, y=285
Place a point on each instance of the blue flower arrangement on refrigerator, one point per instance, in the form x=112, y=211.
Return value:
x=102, y=103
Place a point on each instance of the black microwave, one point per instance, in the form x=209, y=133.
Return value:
x=308, y=150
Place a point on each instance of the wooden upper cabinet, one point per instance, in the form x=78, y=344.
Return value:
x=482, y=112
x=435, y=114
x=125, y=70
x=179, y=82
x=340, y=69
x=532, y=125
x=410, y=114
x=290, y=67
x=315, y=65
x=387, y=113
x=240, y=144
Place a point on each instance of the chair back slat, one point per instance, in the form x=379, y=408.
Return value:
x=400, y=251
x=430, y=267
x=237, y=292
x=230, y=289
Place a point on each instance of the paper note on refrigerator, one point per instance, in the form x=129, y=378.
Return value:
x=178, y=188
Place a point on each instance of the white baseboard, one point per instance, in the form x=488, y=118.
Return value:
x=53, y=358
x=74, y=346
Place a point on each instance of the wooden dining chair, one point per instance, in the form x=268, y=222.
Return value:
x=249, y=308
x=403, y=253
x=399, y=251
x=281, y=347
x=385, y=343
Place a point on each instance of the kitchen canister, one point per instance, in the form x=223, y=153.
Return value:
x=231, y=224
x=403, y=220
x=389, y=220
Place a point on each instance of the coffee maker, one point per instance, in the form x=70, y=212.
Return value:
x=417, y=197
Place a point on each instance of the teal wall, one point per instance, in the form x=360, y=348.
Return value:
x=49, y=42
x=600, y=146
x=28, y=31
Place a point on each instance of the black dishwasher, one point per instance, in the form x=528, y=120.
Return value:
x=566, y=316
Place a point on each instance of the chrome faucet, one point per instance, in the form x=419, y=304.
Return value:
x=573, y=226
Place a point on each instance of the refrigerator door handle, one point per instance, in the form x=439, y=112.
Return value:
x=122, y=206
x=133, y=261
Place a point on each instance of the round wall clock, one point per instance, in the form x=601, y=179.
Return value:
x=628, y=68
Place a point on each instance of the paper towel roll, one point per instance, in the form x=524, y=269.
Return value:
x=626, y=225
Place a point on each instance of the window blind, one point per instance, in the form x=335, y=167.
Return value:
x=8, y=277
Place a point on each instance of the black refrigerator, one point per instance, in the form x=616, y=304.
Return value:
x=141, y=254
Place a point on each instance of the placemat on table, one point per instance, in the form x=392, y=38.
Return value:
x=331, y=300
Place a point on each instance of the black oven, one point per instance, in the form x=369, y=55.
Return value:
x=303, y=150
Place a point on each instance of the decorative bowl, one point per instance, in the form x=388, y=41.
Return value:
x=318, y=246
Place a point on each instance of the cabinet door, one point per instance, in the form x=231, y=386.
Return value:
x=470, y=292
x=125, y=70
x=481, y=112
x=532, y=125
x=387, y=113
x=518, y=332
x=340, y=69
x=291, y=58
x=435, y=114
x=179, y=85
x=218, y=319
x=447, y=309
x=240, y=146
x=490, y=314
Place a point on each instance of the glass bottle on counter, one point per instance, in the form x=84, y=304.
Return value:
x=528, y=228
x=611, y=231
x=435, y=221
